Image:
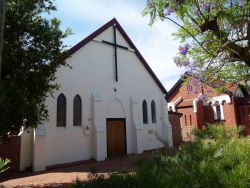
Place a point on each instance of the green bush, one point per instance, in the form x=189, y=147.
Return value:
x=219, y=157
x=3, y=163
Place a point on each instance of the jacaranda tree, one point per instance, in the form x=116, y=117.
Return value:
x=214, y=37
x=32, y=51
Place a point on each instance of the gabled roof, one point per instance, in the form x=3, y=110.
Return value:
x=231, y=90
x=179, y=82
x=128, y=40
x=175, y=113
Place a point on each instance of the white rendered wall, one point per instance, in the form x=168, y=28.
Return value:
x=26, y=149
x=92, y=73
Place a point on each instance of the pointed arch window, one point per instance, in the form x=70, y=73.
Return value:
x=77, y=111
x=153, y=111
x=218, y=110
x=61, y=111
x=185, y=119
x=145, y=112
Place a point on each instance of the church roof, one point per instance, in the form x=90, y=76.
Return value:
x=128, y=40
x=185, y=103
x=230, y=90
x=178, y=83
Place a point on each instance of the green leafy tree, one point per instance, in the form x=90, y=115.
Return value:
x=214, y=37
x=32, y=51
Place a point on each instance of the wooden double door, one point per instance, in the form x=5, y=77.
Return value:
x=116, y=137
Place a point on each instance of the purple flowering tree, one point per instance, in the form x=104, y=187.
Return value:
x=214, y=37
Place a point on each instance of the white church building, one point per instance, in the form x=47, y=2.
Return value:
x=109, y=104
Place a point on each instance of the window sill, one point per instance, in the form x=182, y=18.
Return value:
x=77, y=126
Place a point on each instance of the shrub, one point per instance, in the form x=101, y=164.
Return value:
x=3, y=164
x=219, y=157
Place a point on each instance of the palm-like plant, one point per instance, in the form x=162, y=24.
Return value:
x=3, y=163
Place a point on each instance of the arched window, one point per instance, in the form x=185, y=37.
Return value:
x=145, y=112
x=153, y=111
x=218, y=111
x=61, y=111
x=185, y=119
x=190, y=119
x=77, y=111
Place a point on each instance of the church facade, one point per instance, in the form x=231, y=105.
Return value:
x=110, y=103
x=230, y=108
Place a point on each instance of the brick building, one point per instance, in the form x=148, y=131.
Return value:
x=230, y=108
x=174, y=119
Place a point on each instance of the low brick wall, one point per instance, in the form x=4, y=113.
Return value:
x=174, y=119
x=10, y=148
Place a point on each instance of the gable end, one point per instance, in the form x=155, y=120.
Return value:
x=124, y=34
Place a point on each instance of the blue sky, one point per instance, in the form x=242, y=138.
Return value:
x=155, y=43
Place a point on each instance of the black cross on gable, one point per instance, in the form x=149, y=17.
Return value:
x=115, y=49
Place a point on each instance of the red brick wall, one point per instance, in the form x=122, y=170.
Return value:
x=205, y=114
x=209, y=114
x=10, y=148
x=244, y=118
x=188, y=122
x=181, y=91
x=188, y=111
x=200, y=115
x=230, y=114
x=174, y=119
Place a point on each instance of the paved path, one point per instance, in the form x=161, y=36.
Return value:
x=63, y=177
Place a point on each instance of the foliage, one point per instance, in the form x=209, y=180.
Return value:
x=219, y=157
x=3, y=163
x=214, y=36
x=32, y=52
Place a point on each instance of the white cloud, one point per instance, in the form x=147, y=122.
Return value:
x=155, y=43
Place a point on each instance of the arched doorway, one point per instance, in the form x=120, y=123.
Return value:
x=116, y=129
